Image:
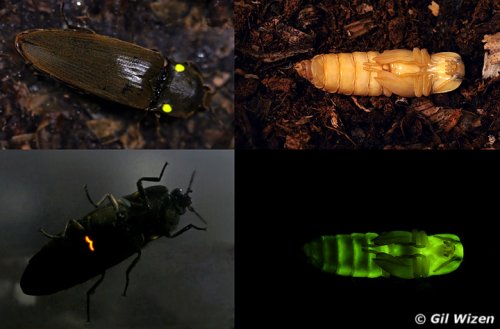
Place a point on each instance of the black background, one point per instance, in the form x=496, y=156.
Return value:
x=284, y=199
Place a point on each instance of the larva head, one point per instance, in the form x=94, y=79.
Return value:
x=448, y=71
x=447, y=255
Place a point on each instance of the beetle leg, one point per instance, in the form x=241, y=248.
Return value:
x=140, y=188
x=186, y=228
x=88, y=196
x=91, y=291
x=112, y=200
x=70, y=225
x=48, y=235
x=160, y=137
x=129, y=269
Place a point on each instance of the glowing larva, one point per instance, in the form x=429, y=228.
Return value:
x=403, y=254
x=402, y=72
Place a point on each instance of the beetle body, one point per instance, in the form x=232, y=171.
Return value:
x=115, y=70
x=402, y=254
x=402, y=72
x=116, y=229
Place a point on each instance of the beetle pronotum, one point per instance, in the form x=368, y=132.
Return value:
x=402, y=72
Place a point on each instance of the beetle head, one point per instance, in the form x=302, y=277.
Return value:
x=180, y=201
x=448, y=70
x=182, y=91
x=177, y=204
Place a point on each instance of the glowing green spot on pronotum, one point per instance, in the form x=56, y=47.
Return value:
x=402, y=254
x=179, y=68
x=167, y=108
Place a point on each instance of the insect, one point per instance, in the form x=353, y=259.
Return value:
x=116, y=229
x=402, y=254
x=115, y=70
x=402, y=72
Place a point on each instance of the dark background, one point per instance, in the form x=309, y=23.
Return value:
x=285, y=199
x=186, y=282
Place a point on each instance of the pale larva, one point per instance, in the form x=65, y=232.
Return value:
x=402, y=72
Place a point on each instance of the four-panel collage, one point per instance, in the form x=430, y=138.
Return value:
x=224, y=164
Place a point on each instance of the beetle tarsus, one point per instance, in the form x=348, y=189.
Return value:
x=89, y=197
x=191, y=209
x=91, y=291
x=187, y=228
x=129, y=269
x=48, y=235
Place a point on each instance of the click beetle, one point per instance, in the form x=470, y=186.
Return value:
x=116, y=229
x=115, y=70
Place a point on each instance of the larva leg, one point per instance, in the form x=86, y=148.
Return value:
x=375, y=89
x=405, y=267
x=395, y=84
x=415, y=238
x=399, y=237
x=395, y=56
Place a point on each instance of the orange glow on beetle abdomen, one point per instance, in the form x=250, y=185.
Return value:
x=90, y=242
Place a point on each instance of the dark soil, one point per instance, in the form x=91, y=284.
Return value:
x=277, y=109
x=37, y=111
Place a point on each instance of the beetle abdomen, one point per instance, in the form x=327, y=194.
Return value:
x=107, y=67
x=343, y=254
x=402, y=72
x=65, y=262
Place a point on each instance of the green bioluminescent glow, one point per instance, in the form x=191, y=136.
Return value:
x=402, y=254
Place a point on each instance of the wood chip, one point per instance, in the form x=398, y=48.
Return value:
x=491, y=66
x=434, y=8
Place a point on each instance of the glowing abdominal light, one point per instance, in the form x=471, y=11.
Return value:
x=402, y=254
x=90, y=243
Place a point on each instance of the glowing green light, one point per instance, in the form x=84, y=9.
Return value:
x=167, y=108
x=179, y=68
x=402, y=254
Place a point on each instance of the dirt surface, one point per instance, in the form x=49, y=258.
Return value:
x=37, y=111
x=277, y=109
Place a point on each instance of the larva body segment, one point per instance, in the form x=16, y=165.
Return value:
x=403, y=72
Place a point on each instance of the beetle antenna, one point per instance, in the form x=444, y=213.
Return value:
x=189, y=190
x=191, y=209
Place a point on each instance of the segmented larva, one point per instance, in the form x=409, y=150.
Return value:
x=402, y=72
x=403, y=254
